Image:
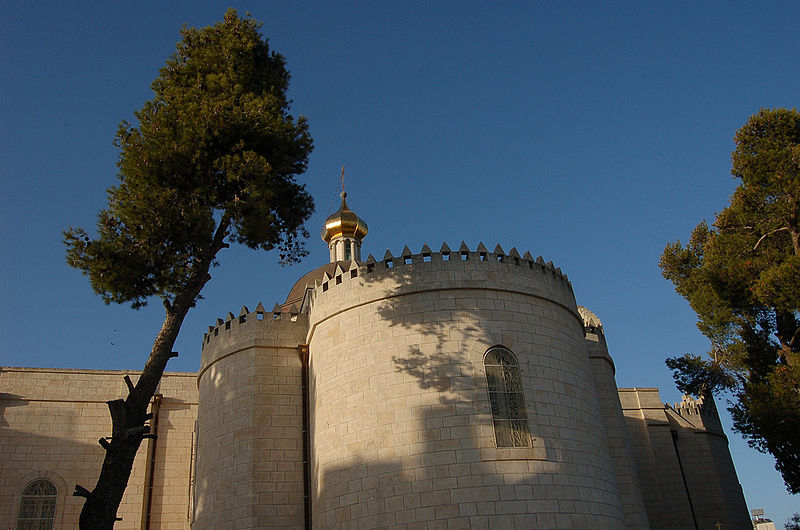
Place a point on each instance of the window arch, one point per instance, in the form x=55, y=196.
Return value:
x=37, y=508
x=505, y=394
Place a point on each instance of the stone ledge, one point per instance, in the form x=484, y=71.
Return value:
x=537, y=452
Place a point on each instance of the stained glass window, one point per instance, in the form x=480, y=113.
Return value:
x=37, y=509
x=505, y=395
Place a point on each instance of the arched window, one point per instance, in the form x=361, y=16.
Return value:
x=37, y=509
x=505, y=395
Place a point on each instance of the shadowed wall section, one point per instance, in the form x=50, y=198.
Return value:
x=50, y=423
x=682, y=454
x=250, y=437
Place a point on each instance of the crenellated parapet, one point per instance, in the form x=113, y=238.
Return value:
x=274, y=328
x=692, y=406
x=595, y=338
x=480, y=254
x=591, y=322
x=701, y=412
x=354, y=283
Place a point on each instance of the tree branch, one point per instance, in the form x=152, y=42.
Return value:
x=218, y=241
x=176, y=311
x=760, y=239
x=794, y=342
x=80, y=491
x=128, y=383
x=119, y=415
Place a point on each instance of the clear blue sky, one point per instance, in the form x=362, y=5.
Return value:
x=592, y=133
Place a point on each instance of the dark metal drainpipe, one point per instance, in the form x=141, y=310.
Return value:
x=683, y=476
x=303, y=353
x=151, y=461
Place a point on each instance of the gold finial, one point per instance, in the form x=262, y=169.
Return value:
x=344, y=222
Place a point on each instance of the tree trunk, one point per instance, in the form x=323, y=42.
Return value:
x=128, y=419
x=128, y=416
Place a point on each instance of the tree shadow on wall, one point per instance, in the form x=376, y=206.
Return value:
x=444, y=312
x=47, y=443
x=440, y=461
x=437, y=324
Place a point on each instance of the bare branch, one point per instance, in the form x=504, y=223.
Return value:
x=119, y=416
x=795, y=339
x=139, y=430
x=760, y=239
x=80, y=491
x=128, y=383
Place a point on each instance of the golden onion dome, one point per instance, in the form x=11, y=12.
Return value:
x=343, y=223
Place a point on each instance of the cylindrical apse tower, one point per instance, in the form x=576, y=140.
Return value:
x=249, y=466
x=455, y=385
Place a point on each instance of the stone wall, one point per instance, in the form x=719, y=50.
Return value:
x=250, y=437
x=682, y=455
x=51, y=422
x=619, y=441
x=401, y=425
x=710, y=476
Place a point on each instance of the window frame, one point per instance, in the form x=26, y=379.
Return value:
x=506, y=399
x=43, y=504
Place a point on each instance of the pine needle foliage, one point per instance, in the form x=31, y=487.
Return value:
x=741, y=276
x=211, y=159
x=215, y=150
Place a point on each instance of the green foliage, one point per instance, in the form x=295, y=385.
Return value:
x=214, y=156
x=793, y=523
x=697, y=376
x=768, y=415
x=212, y=159
x=742, y=277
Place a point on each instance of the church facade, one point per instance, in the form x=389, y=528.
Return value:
x=455, y=388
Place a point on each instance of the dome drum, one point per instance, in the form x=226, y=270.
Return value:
x=343, y=231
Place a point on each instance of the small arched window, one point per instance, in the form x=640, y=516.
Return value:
x=348, y=250
x=505, y=395
x=37, y=508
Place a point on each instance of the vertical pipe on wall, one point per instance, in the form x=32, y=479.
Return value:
x=683, y=476
x=190, y=492
x=151, y=462
x=302, y=350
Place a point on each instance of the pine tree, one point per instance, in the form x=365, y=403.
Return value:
x=212, y=160
x=742, y=277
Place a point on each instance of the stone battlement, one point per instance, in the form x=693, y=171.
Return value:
x=355, y=283
x=691, y=406
x=591, y=323
x=250, y=327
x=276, y=316
x=701, y=412
x=429, y=270
x=463, y=253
